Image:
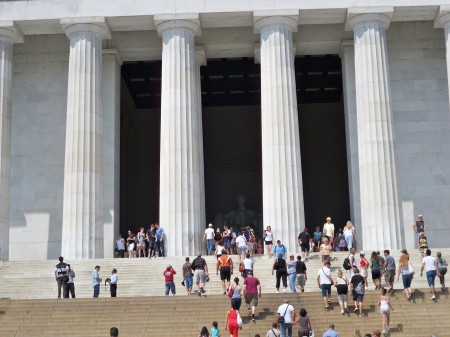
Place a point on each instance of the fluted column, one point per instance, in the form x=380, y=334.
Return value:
x=82, y=233
x=380, y=202
x=347, y=54
x=9, y=34
x=199, y=229
x=443, y=21
x=281, y=163
x=179, y=206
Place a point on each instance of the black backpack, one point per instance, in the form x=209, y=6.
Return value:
x=346, y=264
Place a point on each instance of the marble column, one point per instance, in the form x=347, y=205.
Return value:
x=200, y=60
x=82, y=232
x=9, y=34
x=179, y=205
x=380, y=197
x=443, y=21
x=347, y=54
x=281, y=163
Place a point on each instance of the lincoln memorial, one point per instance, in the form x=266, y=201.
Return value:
x=118, y=114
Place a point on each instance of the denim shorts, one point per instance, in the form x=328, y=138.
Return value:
x=431, y=275
x=407, y=281
x=326, y=289
x=188, y=281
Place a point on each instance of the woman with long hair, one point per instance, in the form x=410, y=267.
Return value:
x=231, y=322
x=403, y=269
x=204, y=332
x=385, y=311
x=376, y=265
x=349, y=234
x=268, y=240
x=236, y=297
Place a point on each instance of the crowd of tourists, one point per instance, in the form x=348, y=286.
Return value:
x=350, y=279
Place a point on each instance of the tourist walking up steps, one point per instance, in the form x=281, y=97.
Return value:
x=225, y=267
x=357, y=286
x=236, y=294
x=285, y=316
x=430, y=264
x=324, y=280
x=252, y=291
x=375, y=265
x=292, y=273
x=188, y=275
x=274, y=332
x=331, y=332
x=404, y=270
x=341, y=284
x=280, y=267
x=389, y=270
x=385, y=311
x=232, y=322
x=442, y=268
x=303, y=242
x=304, y=324
x=200, y=269
x=300, y=269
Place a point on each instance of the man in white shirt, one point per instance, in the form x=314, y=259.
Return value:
x=430, y=264
x=325, y=281
x=288, y=313
x=241, y=245
x=113, y=282
x=209, y=237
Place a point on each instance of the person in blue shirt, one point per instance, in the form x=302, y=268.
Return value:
x=279, y=248
x=331, y=332
x=160, y=240
x=215, y=331
x=96, y=280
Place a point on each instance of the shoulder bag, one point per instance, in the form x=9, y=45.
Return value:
x=281, y=318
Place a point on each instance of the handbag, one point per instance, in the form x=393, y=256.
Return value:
x=281, y=318
x=230, y=292
x=411, y=269
x=239, y=319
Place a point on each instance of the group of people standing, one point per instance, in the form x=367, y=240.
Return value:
x=145, y=243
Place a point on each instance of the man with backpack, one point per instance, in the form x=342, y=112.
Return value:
x=357, y=287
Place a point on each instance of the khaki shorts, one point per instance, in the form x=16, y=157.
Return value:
x=252, y=299
x=389, y=276
x=301, y=280
x=199, y=275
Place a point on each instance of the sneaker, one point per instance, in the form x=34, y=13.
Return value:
x=284, y=290
x=433, y=297
x=224, y=292
x=303, y=290
x=384, y=330
x=306, y=259
x=278, y=291
x=253, y=318
x=329, y=302
x=388, y=329
x=199, y=294
x=327, y=308
x=359, y=315
x=346, y=310
x=355, y=310
x=342, y=312
x=202, y=290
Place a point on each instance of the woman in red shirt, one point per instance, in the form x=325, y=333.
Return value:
x=232, y=322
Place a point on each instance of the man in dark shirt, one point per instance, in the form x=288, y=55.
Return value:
x=300, y=270
x=188, y=276
x=303, y=242
x=357, y=285
x=200, y=269
x=62, y=278
x=151, y=238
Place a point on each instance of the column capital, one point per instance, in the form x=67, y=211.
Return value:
x=345, y=45
x=190, y=21
x=115, y=53
x=200, y=56
x=356, y=15
x=288, y=17
x=442, y=18
x=96, y=25
x=10, y=31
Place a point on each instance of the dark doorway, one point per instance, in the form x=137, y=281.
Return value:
x=322, y=140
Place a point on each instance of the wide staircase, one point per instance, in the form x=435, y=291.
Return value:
x=28, y=306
